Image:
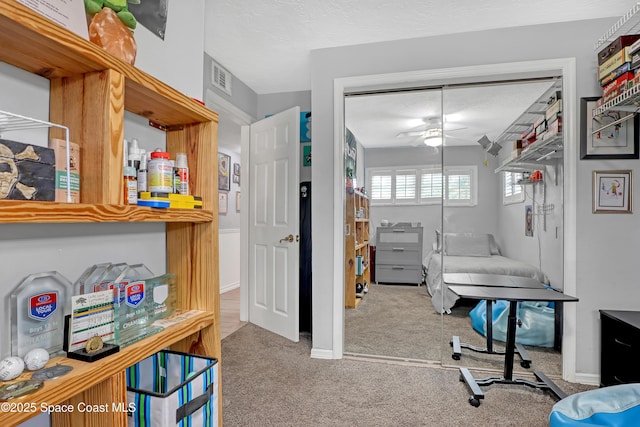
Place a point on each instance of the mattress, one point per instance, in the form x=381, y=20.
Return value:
x=443, y=299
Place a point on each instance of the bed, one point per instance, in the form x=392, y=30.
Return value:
x=468, y=253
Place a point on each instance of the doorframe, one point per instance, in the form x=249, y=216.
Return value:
x=220, y=104
x=526, y=69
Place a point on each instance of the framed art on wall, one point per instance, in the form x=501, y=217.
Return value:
x=224, y=182
x=223, y=203
x=612, y=191
x=615, y=137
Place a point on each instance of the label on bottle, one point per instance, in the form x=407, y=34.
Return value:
x=131, y=191
x=183, y=187
x=142, y=180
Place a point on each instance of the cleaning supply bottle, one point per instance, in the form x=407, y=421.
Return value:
x=160, y=173
x=129, y=183
x=142, y=172
x=183, y=173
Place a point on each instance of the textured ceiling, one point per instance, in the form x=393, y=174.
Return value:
x=267, y=44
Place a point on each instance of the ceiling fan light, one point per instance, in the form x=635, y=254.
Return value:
x=433, y=141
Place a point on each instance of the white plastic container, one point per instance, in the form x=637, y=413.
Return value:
x=183, y=173
x=160, y=173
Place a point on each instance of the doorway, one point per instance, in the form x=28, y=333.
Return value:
x=566, y=68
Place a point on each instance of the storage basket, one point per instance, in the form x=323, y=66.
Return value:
x=173, y=389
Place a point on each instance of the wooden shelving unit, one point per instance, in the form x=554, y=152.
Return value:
x=90, y=90
x=356, y=245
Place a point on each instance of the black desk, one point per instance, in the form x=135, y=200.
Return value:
x=513, y=295
x=499, y=280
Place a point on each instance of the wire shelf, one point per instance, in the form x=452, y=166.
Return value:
x=14, y=122
x=629, y=23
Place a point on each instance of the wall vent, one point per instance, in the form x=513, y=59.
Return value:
x=220, y=78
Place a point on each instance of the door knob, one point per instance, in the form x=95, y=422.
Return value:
x=288, y=238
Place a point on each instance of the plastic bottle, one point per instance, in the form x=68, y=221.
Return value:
x=135, y=154
x=130, y=186
x=183, y=173
x=160, y=173
x=142, y=172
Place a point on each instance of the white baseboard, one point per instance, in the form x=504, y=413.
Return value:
x=588, y=379
x=321, y=354
x=229, y=287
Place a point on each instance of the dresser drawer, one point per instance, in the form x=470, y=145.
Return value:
x=619, y=351
x=399, y=235
x=398, y=255
x=398, y=274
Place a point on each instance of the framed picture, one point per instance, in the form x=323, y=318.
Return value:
x=223, y=203
x=615, y=138
x=236, y=169
x=236, y=179
x=237, y=201
x=224, y=181
x=612, y=191
x=528, y=220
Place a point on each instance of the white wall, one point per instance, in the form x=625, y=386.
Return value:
x=598, y=285
x=229, y=241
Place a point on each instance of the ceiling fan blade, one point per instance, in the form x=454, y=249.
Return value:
x=410, y=133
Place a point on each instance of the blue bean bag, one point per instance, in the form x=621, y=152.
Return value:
x=614, y=406
x=536, y=324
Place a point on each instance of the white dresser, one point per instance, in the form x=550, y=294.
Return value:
x=399, y=254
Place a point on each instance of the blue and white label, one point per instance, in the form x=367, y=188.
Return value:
x=42, y=306
x=134, y=294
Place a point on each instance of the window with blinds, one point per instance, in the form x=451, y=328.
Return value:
x=456, y=187
x=512, y=192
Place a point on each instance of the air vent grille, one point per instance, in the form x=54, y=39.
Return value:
x=221, y=78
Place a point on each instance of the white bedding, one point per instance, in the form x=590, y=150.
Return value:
x=444, y=299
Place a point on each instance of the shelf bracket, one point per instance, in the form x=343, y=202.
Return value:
x=623, y=119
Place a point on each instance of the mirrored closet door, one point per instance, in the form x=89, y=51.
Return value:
x=393, y=163
x=502, y=216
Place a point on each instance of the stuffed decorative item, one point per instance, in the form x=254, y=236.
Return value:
x=112, y=27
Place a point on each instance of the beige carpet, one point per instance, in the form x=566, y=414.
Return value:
x=399, y=321
x=270, y=381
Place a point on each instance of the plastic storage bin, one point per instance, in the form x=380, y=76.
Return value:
x=173, y=389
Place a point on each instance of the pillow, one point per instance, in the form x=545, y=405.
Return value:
x=476, y=245
x=493, y=245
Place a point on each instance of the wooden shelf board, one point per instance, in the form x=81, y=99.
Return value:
x=358, y=301
x=34, y=43
x=85, y=375
x=362, y=220
x=361, y=245
x=51, y=212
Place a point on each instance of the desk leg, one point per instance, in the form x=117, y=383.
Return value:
x=489, y=327
x=511, y=341
x=466, y=377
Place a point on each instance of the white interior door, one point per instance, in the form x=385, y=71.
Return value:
x=274, y=223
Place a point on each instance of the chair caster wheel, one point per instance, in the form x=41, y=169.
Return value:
x=461, y=378
x=455, y=356
x=525, y=365
x=451, y=343
x=474, y=402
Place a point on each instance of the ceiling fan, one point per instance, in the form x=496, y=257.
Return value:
x=430, y=133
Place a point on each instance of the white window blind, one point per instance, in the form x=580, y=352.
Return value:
x=405, y=185
x=512, y=192
x=381, y=186
x=456, y=187
x=430, y=185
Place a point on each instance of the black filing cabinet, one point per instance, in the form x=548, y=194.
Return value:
x=619, y=347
